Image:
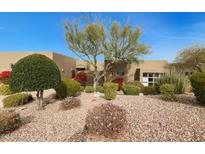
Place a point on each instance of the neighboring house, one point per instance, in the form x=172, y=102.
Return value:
x=144, y=71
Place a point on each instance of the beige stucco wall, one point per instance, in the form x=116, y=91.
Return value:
x=65, y=64
x=80, y=63
x=150, y=66
x=7, y=58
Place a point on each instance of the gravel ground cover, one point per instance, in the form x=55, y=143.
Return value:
x=149, y=119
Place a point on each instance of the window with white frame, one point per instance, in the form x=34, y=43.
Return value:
x=150, y=78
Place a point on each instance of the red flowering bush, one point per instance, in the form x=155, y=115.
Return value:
x=120, y=82
x=81, y=77
x=4, y=76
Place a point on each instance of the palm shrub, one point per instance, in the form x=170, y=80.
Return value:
x=89, y=89
x=108, y=120
x=110, y=90
x=17, y=100
x=68, y=87
x=5, y=90
x=198, y=86
x=131, y=89
x=35, y=72
x=178, y=82
x=167, y=92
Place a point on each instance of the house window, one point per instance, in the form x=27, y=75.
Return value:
x=149, y=78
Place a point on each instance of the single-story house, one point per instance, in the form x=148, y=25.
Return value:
x=145, y=71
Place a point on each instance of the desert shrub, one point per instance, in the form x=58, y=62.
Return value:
x=167, y=92
x=131, y=89
x=136, y=83
x=9, y=121
x=17, y=100
x=69, y=103
x=82, y=88
x=4, y=77
x=110, y=90
x=81, y=77
x=5, y=90
x=177, y=81
x=89, y=89
x=108, y=120
x=61, y=90
x=68, y=87
x=100, y=89
x=149, y=90
x=120, y=82
x=198, y=86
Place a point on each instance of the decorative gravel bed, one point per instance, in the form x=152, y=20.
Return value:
x=149, y=119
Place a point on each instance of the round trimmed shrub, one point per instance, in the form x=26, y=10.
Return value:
x=35, y=72
x=131, y=90
x=100, y=89
x=5, y=90
x=108, y=120
x=17, y=100
x=168, y=92
x=68, y=87
x=149, y=90
x=9, y=121
x=110, y=90
x=89, y=89
x=198, y=86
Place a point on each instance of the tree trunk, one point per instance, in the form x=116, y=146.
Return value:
x=39, y=96
x=95, y=82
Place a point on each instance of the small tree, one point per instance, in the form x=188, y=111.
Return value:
x=35, y=72
x=123, y=45
x=86, y=43
x=92, y=40
x=190, y=58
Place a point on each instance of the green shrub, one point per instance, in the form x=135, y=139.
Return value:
x=100, y=89
x=198, y=86
x=110, y=90
x=68, y=87
x=17, y=100
x=136, y=83
x=82, y=88
x=34, y=73
x=89, y=89
x=108, y=120
x=178, y=82
x=5, y=90
x=167, y=92
x=131, y=89
x=61, y=90
x=9, y=121
x=149, y=90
